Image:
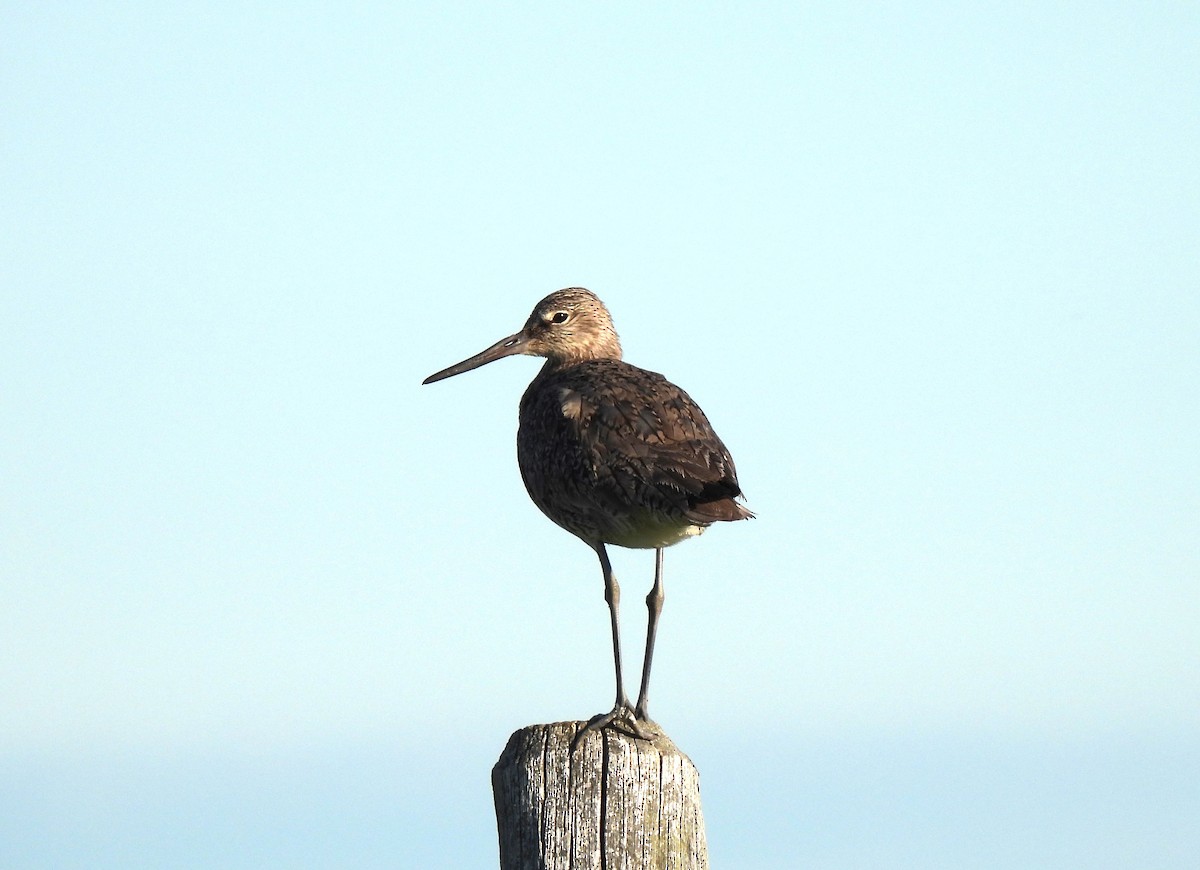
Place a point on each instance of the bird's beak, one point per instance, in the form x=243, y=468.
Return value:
x=514, y=344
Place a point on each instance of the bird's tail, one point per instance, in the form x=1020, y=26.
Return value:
x=721, y=510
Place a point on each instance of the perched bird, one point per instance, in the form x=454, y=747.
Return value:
x=612, y=453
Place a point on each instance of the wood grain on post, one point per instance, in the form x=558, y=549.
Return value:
x=615, y=803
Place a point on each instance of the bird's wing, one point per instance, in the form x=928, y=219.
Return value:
x=652, y=438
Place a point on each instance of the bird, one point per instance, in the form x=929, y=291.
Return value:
x=614, y=454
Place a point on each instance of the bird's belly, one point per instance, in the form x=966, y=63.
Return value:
x=650, y=534
x=637, y=531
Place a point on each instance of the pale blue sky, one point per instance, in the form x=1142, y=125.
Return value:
x=933, y=272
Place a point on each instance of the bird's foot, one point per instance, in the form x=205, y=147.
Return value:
x=621, y=717
x=642, y=716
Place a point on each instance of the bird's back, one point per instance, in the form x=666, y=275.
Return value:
x=618, y=454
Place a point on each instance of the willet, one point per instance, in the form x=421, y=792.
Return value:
x=612, y=453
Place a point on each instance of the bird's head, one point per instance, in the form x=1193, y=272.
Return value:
x=567, y=327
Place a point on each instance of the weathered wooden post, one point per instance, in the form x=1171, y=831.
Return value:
x=615, y=803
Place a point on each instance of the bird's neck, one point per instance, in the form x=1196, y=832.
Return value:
x=602, y=345
x=559, y=363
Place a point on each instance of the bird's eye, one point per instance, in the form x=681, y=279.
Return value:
x=559, y=317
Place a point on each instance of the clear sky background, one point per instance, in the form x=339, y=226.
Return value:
x=932, y=270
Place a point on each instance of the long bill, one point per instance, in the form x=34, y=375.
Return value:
x=510, y=346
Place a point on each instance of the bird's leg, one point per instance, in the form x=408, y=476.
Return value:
x=621, y=711
x=612, y=596
x=654, y=603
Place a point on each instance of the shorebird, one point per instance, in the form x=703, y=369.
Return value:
x=614, y=454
